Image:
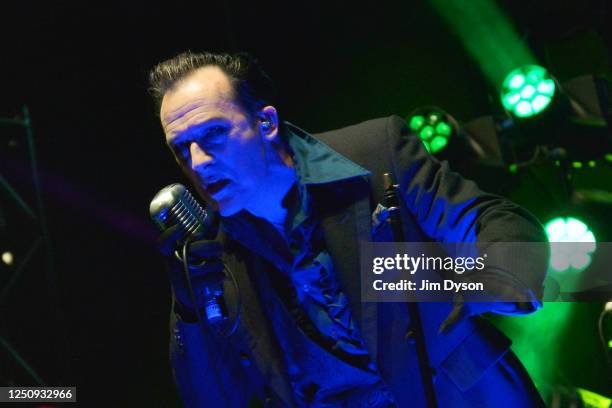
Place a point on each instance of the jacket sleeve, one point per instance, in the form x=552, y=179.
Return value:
x=206, y=370
x=451, y=209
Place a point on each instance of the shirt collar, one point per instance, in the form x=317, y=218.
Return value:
x=316, y=163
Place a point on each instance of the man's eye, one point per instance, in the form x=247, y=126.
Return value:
x=214, y=134
x=210, y=138
x=182, y=150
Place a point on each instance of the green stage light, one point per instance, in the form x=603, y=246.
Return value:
x=593, y=400
x=433, y=127
x=565, y=258
x=527, y=91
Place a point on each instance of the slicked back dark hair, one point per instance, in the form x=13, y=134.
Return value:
x=253, y=88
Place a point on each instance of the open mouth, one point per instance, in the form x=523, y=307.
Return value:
x=215, y=187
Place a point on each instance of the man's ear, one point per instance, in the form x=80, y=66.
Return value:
x=268, y=122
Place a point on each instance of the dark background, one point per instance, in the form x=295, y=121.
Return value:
x=82, y=71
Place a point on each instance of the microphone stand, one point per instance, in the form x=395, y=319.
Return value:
x=392, y=202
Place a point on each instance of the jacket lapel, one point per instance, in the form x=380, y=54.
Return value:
x=344, y=210
x=345, y=224
x=254, y=328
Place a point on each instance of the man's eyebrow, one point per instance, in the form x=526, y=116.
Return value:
x=191, y=132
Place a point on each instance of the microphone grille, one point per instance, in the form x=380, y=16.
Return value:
x=174, y=205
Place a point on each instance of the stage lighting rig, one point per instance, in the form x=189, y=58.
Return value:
x=575, y=256
x=26, y=261
x=573, y=115
x=434, y=126
x=527, y=91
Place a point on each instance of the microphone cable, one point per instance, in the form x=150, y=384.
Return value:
x=227, y=271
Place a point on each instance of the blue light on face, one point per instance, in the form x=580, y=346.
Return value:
x=208, y=136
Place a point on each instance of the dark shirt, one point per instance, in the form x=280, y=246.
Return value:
x=327, y=359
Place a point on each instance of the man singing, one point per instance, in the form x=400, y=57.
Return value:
x=293, y=208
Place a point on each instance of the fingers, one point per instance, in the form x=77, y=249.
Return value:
x=207, y=262
x=211, y=267
x=206, y=249
x=166, y=242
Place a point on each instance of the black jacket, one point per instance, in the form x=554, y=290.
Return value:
x=471, y=364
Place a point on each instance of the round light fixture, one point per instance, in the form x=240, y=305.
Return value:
x=527, y=91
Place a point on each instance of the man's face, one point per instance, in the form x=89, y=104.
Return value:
x=214, y=141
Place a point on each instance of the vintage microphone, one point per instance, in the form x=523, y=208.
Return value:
x=392, y=202
x=174, y=205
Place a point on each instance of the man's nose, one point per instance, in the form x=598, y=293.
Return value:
x=198, y=155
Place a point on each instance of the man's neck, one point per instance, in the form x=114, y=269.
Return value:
x=278, y=182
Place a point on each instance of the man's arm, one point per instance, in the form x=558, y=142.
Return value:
x=449, y=208
x=206, y=370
